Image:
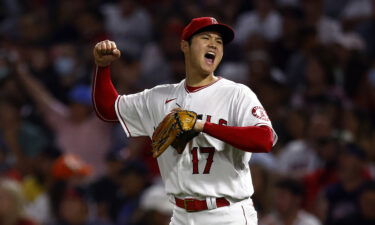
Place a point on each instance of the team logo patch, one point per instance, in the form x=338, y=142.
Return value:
x=259, y=113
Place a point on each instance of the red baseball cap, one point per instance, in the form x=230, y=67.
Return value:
x=201, y=24
x=70, y=165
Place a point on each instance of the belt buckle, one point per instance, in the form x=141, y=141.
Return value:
x=186, y=206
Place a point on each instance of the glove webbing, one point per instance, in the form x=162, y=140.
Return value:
x=178, y=121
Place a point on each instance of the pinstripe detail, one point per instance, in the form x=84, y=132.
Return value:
x=262, y=124
x=119, y=115
x=244, y=214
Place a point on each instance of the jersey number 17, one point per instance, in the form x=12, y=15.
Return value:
x=205, y=150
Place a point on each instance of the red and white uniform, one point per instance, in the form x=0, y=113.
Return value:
x=208, y=167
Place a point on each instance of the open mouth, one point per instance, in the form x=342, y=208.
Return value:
x=210, y=57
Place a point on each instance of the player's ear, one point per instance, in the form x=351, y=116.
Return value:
x=184, y=45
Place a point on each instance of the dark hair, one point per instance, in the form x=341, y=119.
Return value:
x=369, y=186
x=292, y=12
x=291, y=185
x=134, y=167
x=354, y=150
x=189, y=41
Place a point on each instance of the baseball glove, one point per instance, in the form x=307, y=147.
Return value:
x=176, y=129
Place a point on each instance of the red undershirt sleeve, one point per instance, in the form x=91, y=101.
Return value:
x=249, y=139
x=104, y=95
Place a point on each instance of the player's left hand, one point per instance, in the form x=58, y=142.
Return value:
x=176, y=129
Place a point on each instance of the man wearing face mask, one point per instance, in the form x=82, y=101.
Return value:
x=77, y=130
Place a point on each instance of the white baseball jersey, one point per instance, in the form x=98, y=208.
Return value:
x=207, y=167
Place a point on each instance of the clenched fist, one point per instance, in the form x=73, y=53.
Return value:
x=105, y=52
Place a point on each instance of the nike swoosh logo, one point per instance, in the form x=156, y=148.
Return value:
x=169, y=100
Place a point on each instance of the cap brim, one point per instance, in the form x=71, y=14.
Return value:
x=62, y=170
x=85, y=170
x=226, y=32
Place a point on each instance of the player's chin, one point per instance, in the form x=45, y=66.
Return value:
x=207, y=71
x=210, y=68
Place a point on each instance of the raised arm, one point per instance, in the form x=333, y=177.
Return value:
x=103, y=92
x=54, y=112
x=40, y=95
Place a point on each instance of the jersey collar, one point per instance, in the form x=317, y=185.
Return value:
x=190, y=89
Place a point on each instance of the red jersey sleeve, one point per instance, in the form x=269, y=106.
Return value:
x=104, y=94
x=249, y=139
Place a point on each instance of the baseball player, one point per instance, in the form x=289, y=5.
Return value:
x=209, y=181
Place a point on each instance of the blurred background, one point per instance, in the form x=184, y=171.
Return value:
x=310, y=62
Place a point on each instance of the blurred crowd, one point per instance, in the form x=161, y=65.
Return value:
x=310, y=62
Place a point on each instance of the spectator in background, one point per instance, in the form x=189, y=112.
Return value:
x=68, y=173
x=77, y=129
x=73, y=209
x=287, y=2
x=132, y=185
x=10, y=124
x=296, y=63
x=54, y=170
x=129, y=25
x=318, y=86
x=67, y=65
x=130, y=70
x=318, y=180
x=9, y=87
x=261, y=166
x=333, y=8
x=4, y=161
x=159, y=55
x=327, y=29
x=349, y=64
x=354, y=12
x=264, y=20
x=33, y=27
x=231, y=11
x=155, y=207
x=343, y=196
x=365, y=214
x=90, y=26
x=12, y=203
x=368, y=143
x=104, y=190
x=297, y=117
x=261, y=70
x=42, y=66
x=37, y=183
x=365, y=98
x=70, y=167
x=289, y=42
x=65, y=15
x=288, y=200
x=299, y=157
x=252, y=65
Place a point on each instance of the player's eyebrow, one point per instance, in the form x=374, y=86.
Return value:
x=212, y=36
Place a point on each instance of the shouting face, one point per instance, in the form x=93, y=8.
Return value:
x=204, y=53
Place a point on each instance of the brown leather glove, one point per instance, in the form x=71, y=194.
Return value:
x=176, y=129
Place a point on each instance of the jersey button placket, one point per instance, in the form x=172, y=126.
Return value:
x=188, y=101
